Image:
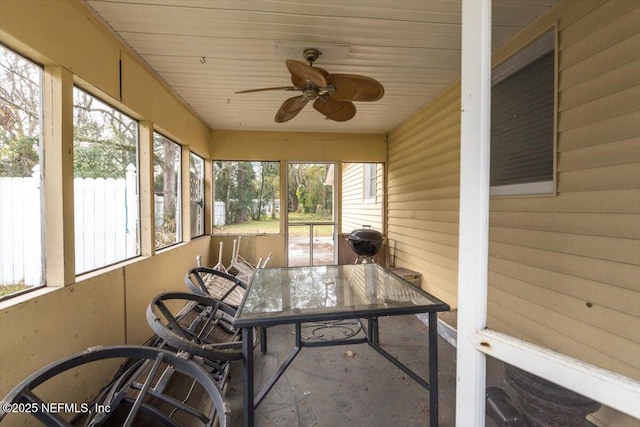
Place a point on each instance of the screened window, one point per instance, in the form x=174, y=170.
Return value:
x=247, y=197
x=167, y=194
x=105, y=185
x=370, y=182
x=21, y=242
x=196, y=180
x=522, y=121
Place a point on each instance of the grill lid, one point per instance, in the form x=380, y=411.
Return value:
x=365, y=242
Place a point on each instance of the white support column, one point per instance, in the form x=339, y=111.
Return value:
x=474, y=209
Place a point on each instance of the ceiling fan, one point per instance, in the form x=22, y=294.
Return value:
x=332, y=94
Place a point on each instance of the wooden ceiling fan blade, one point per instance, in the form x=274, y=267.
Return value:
x=267, y=88
x=338, y=111
x=302, y=73
x=290, y=108
x=352, y=87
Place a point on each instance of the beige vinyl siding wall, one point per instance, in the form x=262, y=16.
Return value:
x=357, y=212
x=564, y=270
x=423, y=194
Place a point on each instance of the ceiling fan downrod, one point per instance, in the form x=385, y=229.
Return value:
x=311, y=54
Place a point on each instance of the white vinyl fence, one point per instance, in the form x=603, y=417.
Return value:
x=219, y=217
x=20, y=231
x=106, y=216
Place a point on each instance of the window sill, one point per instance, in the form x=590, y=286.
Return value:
x=27, y=296
x=544, y=188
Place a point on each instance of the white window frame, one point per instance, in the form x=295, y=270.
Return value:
x=133, y=241
x=37, y=268
x=217, y=204
x=370, y=177
x=200, y=208
x=524, y=57
x=179, y=202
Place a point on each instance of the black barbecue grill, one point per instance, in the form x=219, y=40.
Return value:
x=365, y=243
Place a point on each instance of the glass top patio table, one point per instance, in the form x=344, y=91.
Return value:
x=294, y=294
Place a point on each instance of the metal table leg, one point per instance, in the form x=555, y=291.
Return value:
x=248, y=410
x=433, y=369
x=263, y=339
x=283, y=367
x=373, y=330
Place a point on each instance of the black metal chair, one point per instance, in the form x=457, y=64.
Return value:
x=221, y=286
x=152, y=387
x=215, y=284
x=200, y=329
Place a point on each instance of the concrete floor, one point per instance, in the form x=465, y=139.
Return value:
x=354, y=385
x=298, y=251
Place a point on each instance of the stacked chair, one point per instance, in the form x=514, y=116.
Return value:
x=200, y=330
x=153, y=386
x=239, y=266
x=178, y=379
x=226, y=284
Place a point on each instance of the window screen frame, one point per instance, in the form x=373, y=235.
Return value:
x=136, y=176
x=179, y=215
x=217, y=228
x=199, y=211
x=546, y=42
x=38, y=272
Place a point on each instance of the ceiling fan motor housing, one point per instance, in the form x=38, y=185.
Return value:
x=310, y=92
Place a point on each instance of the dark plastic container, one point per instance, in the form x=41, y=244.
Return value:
x=501, y=411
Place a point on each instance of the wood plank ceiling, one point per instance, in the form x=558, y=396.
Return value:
x=205, y=50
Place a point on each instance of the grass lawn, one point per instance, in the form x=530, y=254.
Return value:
x=273, y=226
x=251, y=227
x=9, y=289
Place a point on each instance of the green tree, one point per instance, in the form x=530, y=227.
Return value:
x=245, y=192
x=268, y=187
x=166, y=156
x=245, y=188
x=307, y=190
x=271, y=184
x=104, y=139
x=19, y=115
x=223, y=172
x=19, y=156
x=295, y=178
